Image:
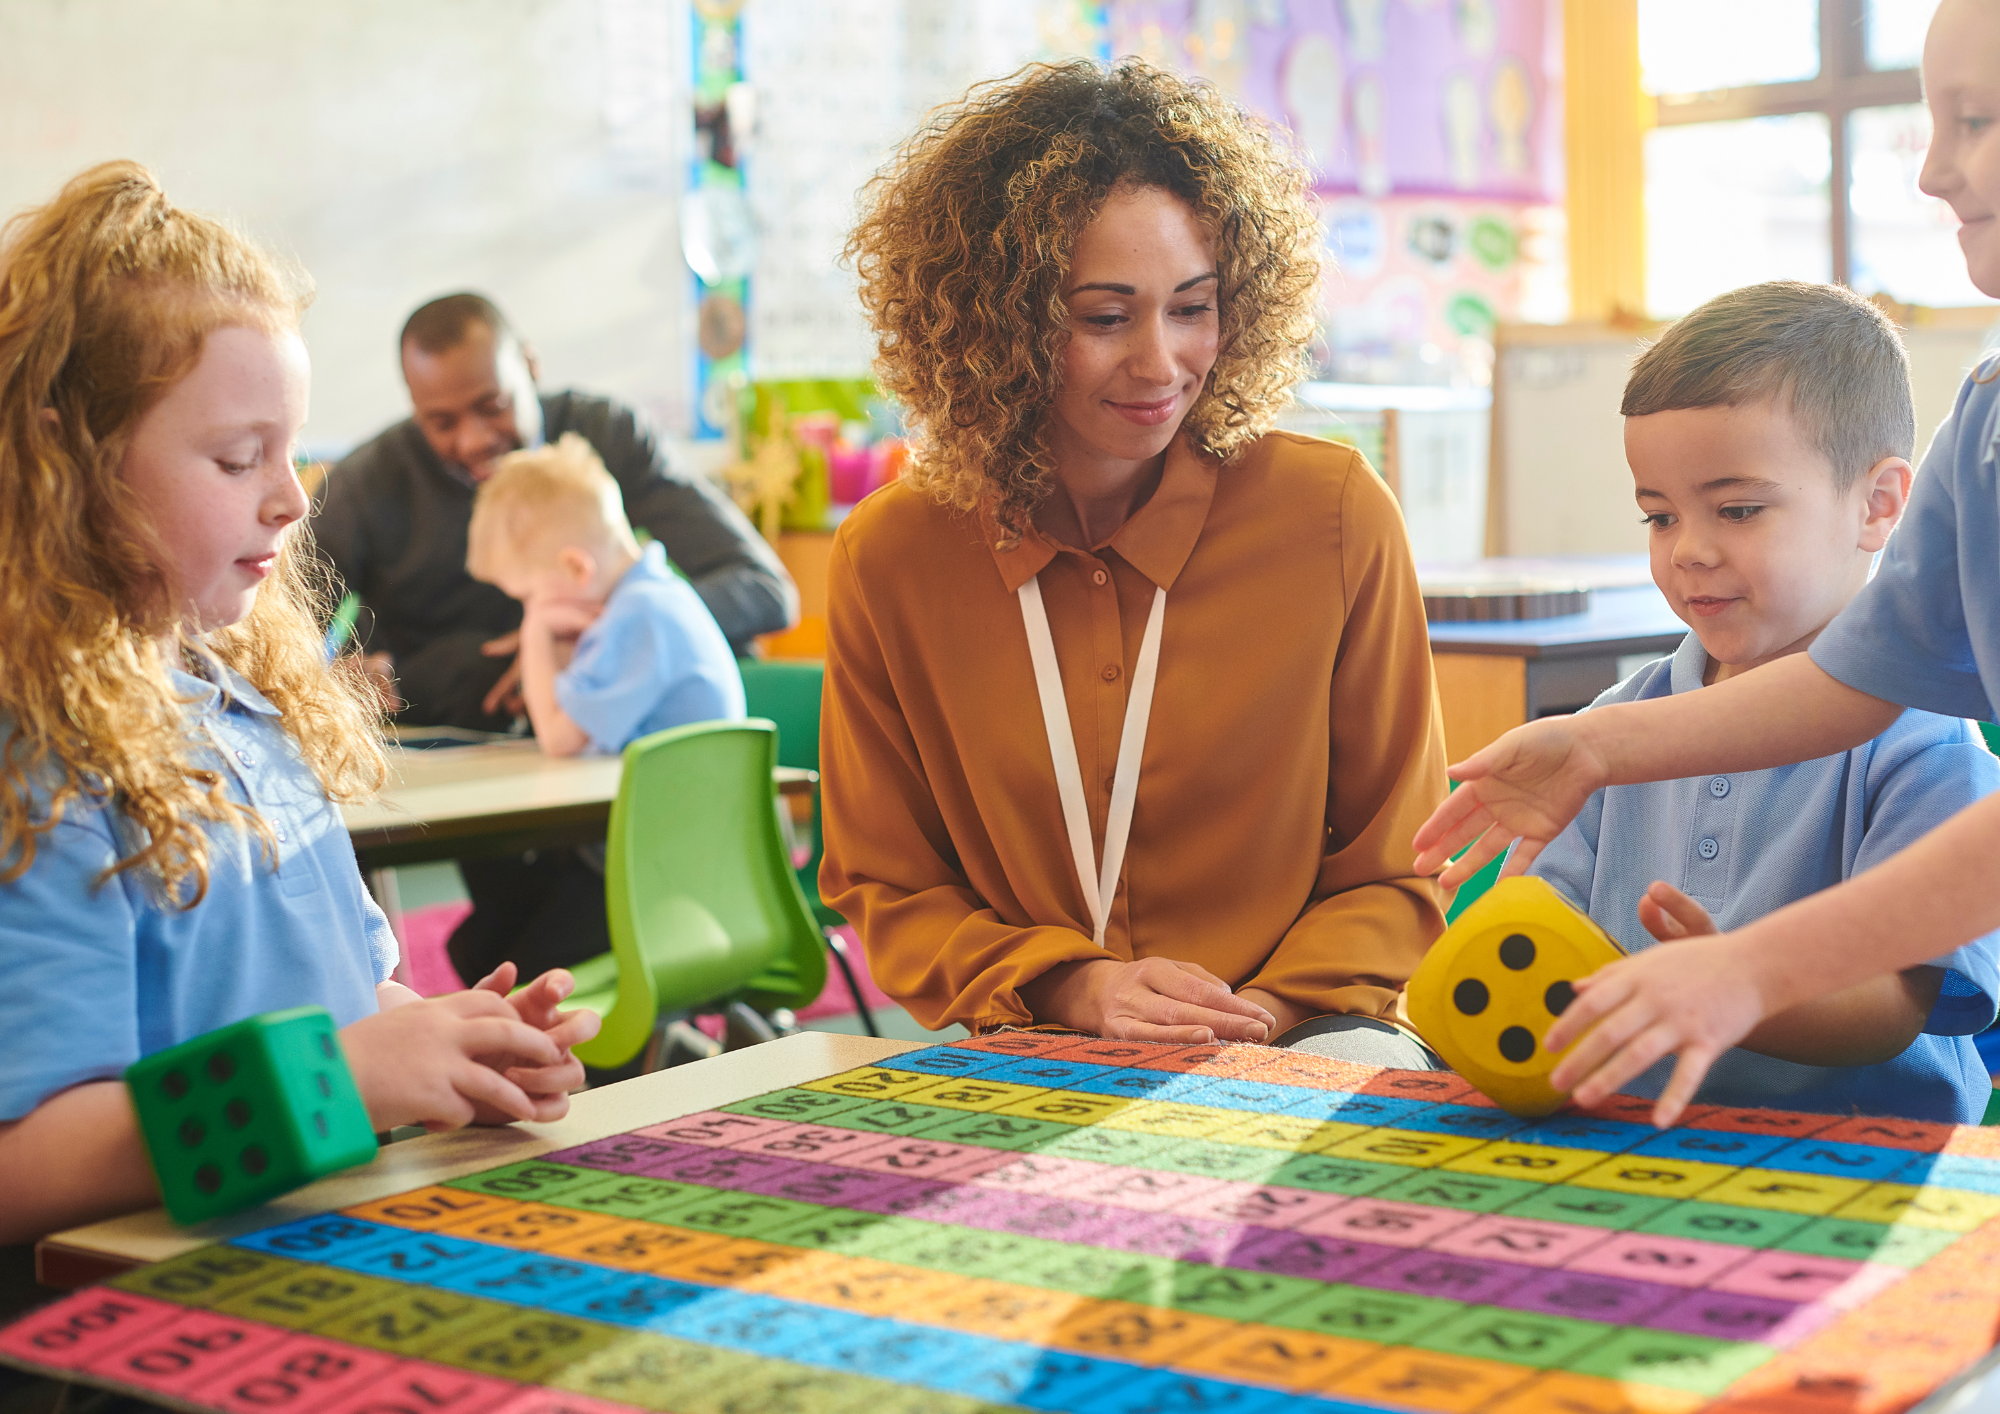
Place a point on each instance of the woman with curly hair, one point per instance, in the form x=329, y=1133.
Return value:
x=1129, y=714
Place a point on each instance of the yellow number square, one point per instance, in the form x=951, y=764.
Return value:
x=1638, y=1173
x=1287, y=1132
x=1947, y=1209
x=873, y=1082
x=1786, y=1192
x=1403, y=1146
x=1539, y=1163
x=977, y=1095
x=1167, y=1117
x=1064, y=1106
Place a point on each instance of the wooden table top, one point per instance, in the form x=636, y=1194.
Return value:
x=496, y=787
x=91, y=1253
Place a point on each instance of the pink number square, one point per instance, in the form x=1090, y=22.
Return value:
x=1264, y=1204
x=1144, y=1190
x=819, y=1143
x=78, y=1329
x=913, y=1158
x=1791, y=1276
x=1039, y=1173
x=420, y=1387
x=712, y=1129
x=1534, y=1244
x=556, y=1401
x=300, y=1373
x=1379, y=1220
x=175, y=1358
x=1677, y=1261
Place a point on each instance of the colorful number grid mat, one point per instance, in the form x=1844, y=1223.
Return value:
x=1029, y=1221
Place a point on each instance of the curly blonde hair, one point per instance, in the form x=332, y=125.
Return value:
x=964, y=244
x=107, y=295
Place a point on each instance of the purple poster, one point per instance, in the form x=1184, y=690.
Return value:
x=1449, y=98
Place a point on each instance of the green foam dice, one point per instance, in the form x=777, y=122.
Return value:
x=233, y=1118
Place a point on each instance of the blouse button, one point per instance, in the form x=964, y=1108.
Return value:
x=1719, y=787
x=1111, y=672
x=1708, y=849
x=244, y=757
x=1097, y=577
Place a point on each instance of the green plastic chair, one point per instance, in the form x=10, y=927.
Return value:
x=787, y=691
x=703, y=904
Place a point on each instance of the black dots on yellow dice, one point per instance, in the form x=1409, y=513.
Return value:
x=1489, y=990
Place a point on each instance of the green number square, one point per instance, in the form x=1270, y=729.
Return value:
x=206, y=1275
x=800, y=1106
x=996, y=1131
x=416, y=1320
x=1900, y=1246
x=308, y=1296
x=1110, y=1146
x=846, y=1230
x=1095, y=1271
x=1358, y=1178
x=1516, y=1337
x=1726, y=1222
x=895, y=1117
x=1690, y=1362
x=737, y=1214
x=1471, y=1192
x=1589, y=1207
x=526, y=1345
x=1360, y=1313
x=967, y=1251
x=1246, y=1163
x=1236, y=1295
x=531, y=1181
x=630, y=1196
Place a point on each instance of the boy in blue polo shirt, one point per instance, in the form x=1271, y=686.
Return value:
x=1769, y=434
x=1924, y=633
x=614, y=645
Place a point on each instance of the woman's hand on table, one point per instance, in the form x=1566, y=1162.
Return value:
x=1153, y=999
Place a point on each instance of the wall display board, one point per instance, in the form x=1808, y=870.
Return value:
x=1048, y=1222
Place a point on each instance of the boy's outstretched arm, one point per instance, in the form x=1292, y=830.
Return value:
x=1532, y=782
x=1701, y=996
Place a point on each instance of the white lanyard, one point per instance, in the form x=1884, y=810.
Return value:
x=1099, y=891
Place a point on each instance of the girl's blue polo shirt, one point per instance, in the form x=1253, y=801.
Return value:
x=1745, y=844
x=1925, y=631
x=98, y=976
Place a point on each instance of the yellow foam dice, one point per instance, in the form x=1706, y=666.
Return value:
x=1489, y=990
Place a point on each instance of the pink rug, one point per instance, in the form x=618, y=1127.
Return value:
x=427, y=930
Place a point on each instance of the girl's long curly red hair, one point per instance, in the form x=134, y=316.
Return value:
x=964, y=242
x=107, y=295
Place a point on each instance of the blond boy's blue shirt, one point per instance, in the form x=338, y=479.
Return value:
x=1750, y=842
x=99, y=975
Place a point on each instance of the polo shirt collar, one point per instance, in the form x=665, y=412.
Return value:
x=1690, y=662
x=215, y=683
x=1157, y=541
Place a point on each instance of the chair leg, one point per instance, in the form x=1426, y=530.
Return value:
x=837, y=945
x=676, y=1042
x=742, y=1027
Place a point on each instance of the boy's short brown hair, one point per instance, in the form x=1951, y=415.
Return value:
x=1834, y=359
x=539, y=500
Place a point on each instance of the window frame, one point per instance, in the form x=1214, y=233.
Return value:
x=1844, y=83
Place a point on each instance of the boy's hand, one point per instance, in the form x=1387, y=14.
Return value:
x=548, y=1086
x=1526, y=786
x=1696, y=1000
x=560, y=618
x=441, y=1062
x=1670, y=915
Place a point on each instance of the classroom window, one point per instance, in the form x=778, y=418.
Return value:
x=1791, y=151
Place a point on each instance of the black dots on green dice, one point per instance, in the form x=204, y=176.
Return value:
x=238, y=1116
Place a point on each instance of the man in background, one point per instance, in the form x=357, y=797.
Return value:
x=393, y=514
x=392, y=519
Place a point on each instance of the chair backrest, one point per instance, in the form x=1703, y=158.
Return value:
x=699, y=892
x=787, y=690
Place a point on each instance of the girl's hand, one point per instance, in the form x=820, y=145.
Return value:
x=1695, y=999
x=437, y=1062
x=1670, y=915
x=1153, y=999
x=536, y=1005
x=1526, y=786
